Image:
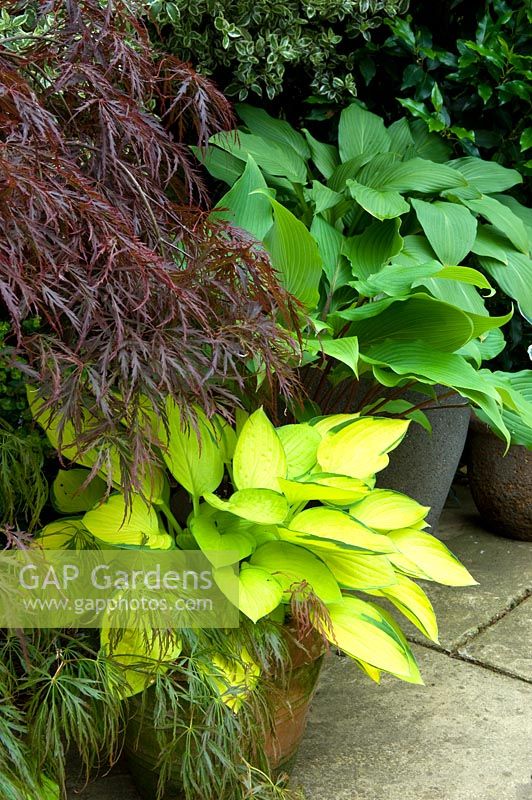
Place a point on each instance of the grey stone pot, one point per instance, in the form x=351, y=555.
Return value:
x=424, y=464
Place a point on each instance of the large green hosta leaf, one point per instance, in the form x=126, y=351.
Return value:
x=374, y=247
x=416, y=360
x=515, y=278
x=364, y=631
x=426, y=144
x=243, y=206
x=330, y=242
x=220, y=164
x=325, y=156
x=486, y=176
x=420, y=316
x=292, y=566
x=270, y=156
x=344, y=349
x=517, y=390
x=295, y=255
x=260, y=123
x=502, y=218
x=361, y=133
x=450, y=228
x=382, y=204
x=386, y=173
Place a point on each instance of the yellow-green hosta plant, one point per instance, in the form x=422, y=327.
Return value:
x=295, y=507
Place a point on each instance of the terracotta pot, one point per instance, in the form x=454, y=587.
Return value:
x=290, y=706
x=501, y=485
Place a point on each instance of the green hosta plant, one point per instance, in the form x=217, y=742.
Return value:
x=295, y=508
x=390, y=246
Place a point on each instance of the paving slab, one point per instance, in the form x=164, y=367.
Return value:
x=465, y=735
x=507, y=644
x=459, y=516
x=503, y=569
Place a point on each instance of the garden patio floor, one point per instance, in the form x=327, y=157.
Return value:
x=466, y=734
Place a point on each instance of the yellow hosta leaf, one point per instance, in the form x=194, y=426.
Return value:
x=300, y=444
x=222, y=549
x=65, y=534
x=258, y=591
x=292, y=565
x=259, y=458
x=117, y=526
x=324, y=424
x=234, y=679
x=151, y=479
x=360, y=449
x=363, y=631
x=356, y=571
x=320, y=525
x=194, y=455
x=367, y=669
x=263, y=506
x=406, y=566
x=335, y=489
x=385, y=510
x=142, y=655
x=70, y=496
x=431, y=556
x=412, y=601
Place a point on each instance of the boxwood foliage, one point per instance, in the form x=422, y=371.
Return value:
x=265, y=48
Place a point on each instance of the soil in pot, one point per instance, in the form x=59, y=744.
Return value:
x=290, y=703
x=501, y=485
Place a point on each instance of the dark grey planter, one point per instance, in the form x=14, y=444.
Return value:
x=424, y=464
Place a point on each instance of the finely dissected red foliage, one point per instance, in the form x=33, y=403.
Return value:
x=139, y=293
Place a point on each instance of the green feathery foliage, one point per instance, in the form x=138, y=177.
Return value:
x=23, y=486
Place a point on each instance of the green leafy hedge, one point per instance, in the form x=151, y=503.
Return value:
x=262, y=47
x=466, y=71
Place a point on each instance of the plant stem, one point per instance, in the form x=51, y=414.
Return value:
x=393, y=395
x=195, y=504
x=174, y=524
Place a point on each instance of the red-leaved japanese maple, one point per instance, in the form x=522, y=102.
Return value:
x=101, y=236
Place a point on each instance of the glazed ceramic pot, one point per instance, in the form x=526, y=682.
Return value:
x=501, y=485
